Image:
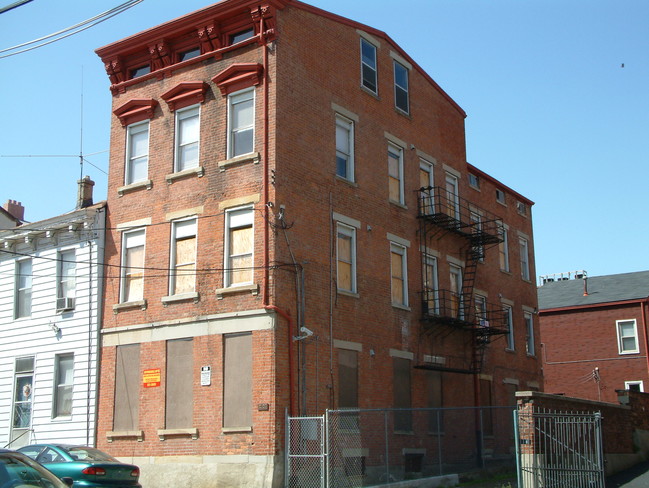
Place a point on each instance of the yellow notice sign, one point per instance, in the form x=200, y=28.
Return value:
x=151, y=377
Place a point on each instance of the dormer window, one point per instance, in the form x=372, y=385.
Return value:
x=141, y=71
x=189, y=54
x=242, y=36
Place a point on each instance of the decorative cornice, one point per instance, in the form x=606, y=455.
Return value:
x=239, y=76
x=136, y=110
x=185, y=94
x=160, y=55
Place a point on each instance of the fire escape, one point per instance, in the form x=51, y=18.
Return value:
x=446, y=312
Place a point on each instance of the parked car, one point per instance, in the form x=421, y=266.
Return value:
x=20, y=471
x=87, y=466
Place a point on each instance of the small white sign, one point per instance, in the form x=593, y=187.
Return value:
x=206, y=375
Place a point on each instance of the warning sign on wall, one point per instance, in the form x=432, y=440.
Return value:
x=151, y=377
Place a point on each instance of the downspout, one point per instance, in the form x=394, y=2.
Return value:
x=478, y=413
x=266, y=210
x=644, y=327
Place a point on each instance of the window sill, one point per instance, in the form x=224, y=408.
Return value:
x=237, y=430
x=348, y=293
x=403, y=113
x=163, y=434
x=121, y=307
x=124, y=434
x=221, y=292
x=370, y=92
x=182, y=297
x=347, y=180
x=198, y=172
x=510, y=351
x=148, y=184
x=253, y=157
x=402, y=307
x=398, y=204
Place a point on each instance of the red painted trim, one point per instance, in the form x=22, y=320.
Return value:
x=594, y=305
x=185, y=94
x=239, y=76
x=136, y=110
x=482, y=174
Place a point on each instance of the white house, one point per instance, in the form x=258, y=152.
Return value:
x=50, y=290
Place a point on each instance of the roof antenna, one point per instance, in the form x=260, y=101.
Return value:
x=81, y=130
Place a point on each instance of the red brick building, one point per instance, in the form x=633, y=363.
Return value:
x=594, y=334
x=294, y=227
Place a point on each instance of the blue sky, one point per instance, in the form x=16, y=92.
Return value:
x=551, y=112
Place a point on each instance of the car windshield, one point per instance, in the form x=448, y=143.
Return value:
x=17, y=470
x=80, y=453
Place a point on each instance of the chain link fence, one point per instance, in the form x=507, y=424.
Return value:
x=357, y=448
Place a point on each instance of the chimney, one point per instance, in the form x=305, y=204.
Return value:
x=84, y=192
x=585, y=286
x=15, y=209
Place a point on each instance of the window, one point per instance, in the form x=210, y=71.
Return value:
x=503, y=251
x=66, y=279
x=634, y=386
x=348, y=387
x=132, y=287
x=23, y=381
x=402, y=394
x=237, y=381
x=241, y=123
x=239, y=247
x=457, y=308
x=476, y=226
x=474, y=181
x=137, y=152
x=435, y=400
x=64, y=374
x=401, y=87
x=189, y=54
x=398, y=275
x=521, y=208
x=127, y=388
x=344, y=147
x=500, y=196
x=242, y=36
x=627, y=336
x=509, y=325
x=452, y=197
x=368, y=66
x=187, y=138
x=525, y=264
x=529, y=328
x=140, y=71
x=395, y=173
x=346, y=257
x=179, y=398
x=431, y=288
x=183, y=257
x=481, y=311
x=426, y=183
x=23, y=299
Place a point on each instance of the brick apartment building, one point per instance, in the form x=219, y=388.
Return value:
x=594, y=334
x=294, y=227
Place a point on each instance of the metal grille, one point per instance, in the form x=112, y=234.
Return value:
x=557, y=449
x=305, y=457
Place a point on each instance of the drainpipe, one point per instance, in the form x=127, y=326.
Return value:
x=290, y=326
x=643, y=310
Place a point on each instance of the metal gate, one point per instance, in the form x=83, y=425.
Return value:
x=559, y=450
x=305, y=452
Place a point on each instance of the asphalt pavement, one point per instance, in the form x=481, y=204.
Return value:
x=635, y=477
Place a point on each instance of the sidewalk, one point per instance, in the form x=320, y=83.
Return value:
x=635, y=477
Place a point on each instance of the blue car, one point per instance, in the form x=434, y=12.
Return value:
x=87, y=466
x=18, y=470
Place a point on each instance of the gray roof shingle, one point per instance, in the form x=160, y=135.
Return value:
x=601, y=289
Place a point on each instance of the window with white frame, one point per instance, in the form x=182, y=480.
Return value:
x=346, y=257
x=23, y=385
x=344, y=147
x=23, y=297
x=137, y=152
x=183, y=257
x=239, y=247
x=187, y=138
x=627, y=336
x=67, y=274
x=401, y=100
x=476, y=225
x=64, y=378
x=525, y=258
x=399, y=278
x=368, y=66
x=395, y=173
x=509, y=325
x=132, y=286
x=452, y=203
x=481, y=311
x=503, y=251
x=530, y=346
x=455, y=294
x=241, y=123
x=426, y=181
x=431, y=286
x=634, y=385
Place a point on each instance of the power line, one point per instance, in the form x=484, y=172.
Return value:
x=67, y=32
x=20, y=3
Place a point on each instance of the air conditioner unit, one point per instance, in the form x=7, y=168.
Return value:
x=64, y=303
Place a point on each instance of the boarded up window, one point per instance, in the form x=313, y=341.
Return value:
x=345, y=246
x=184, y=257
x=487, y=411
x=133, y=271
x=402, y=398
x=237, y=381
x=434, y=400
x=127, y=388
x=179, y=394
x=240, y=247
x=397, y=268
